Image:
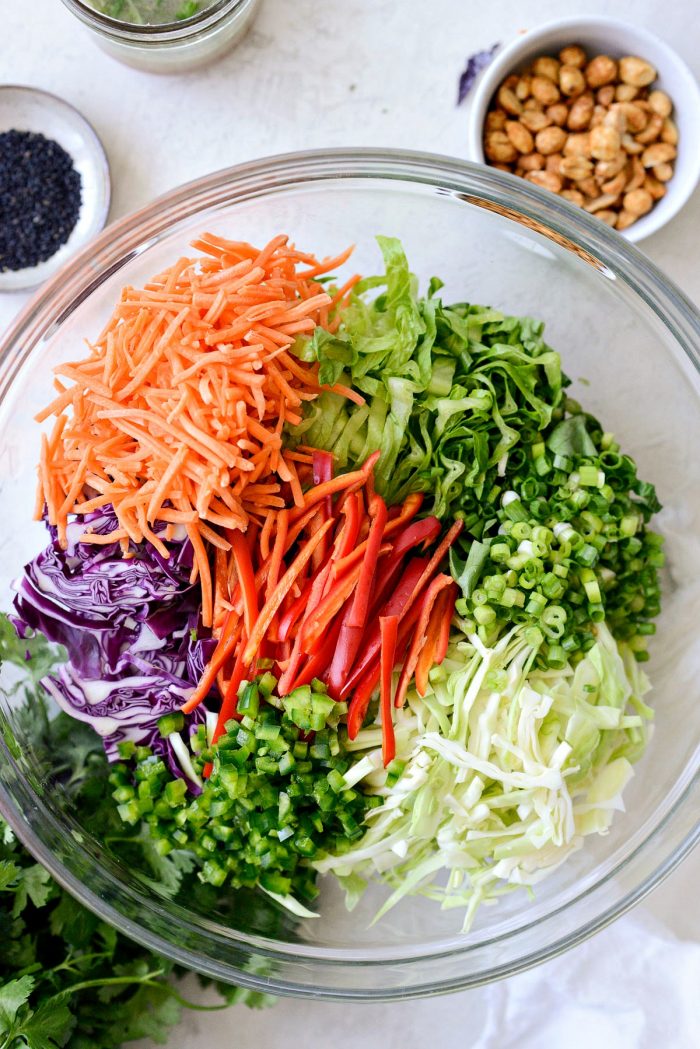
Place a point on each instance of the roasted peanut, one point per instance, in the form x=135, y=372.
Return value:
x=625, y=219
x=571, y=81
x=546, y=179
x=655, y=186
x=607, y=216
x=615, y=185
x=606, y=169
x=553, y=163
x=588, y=186
x=601, y=70
x=575, y=168
x=519, y=136
x=630, y=145
x=605, y=200
x=669, y=132
x=626, y=93
x=580, y=113
x=502, y=167
x=558, y=113
x=605, y=96
x=662, y=172
x=638, y=201
x=573, y=196
x=636, y=71
x=550, y=140
x=636, y=173
x=599, y=114
x=616, y=118
x=497, y=146
x=659, y=153
x=605, y=142
x=531, y=162
x=547, y=66
x=660, y=103
x=495, y=120
x=636, y=117
x=573, y=56
x=578, y=145
x=522, y=88
x=652, y=131
x=534, y=120
x=508, y=100
x=545, y=90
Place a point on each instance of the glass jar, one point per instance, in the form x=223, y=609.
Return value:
x=174, y=47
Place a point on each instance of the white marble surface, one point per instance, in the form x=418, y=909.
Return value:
x=310, y=74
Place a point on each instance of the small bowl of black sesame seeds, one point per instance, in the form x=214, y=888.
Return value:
x=54, y=185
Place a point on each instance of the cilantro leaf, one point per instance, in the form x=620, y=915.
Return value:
x=13, y=996
x=49, y=1026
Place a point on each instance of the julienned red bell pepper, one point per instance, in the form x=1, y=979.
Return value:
x=295, y=660
x=349, y=481
x=419, y=533
x=316, y=664
x=277, y=596
x=447, y=612
x=389, y=629
x=320, y=618
x=368, y=653
x=427, y=657
x=357, y=708
x=246, y=577
x=360, y=601
x=355, y=615
x=419, y=637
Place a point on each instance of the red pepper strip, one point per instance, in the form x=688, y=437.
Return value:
x=277, y=554
x=280, y=591
x=420, y=638
x=355, y=617
x=337, y=484
x=389, y=628
x=317, y=663
x=320, y=618
x=360, y=601
x=313, y=526
x=428, y=653
x=227, y=642
x=228, y=708
x=363, y=693
x=435, y=560
x=291, y=670
x=371, y=642
x=246, y=577
x=420, y=532
x=447, y=613
x=295, y=530
x=295, y=609
x=322, y=464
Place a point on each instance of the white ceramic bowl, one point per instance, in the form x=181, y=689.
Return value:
x=29, y=109
x=612, y=37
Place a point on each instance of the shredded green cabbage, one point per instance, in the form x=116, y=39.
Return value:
x=507, y=769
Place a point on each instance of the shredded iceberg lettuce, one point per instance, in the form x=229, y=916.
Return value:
x=504, y=769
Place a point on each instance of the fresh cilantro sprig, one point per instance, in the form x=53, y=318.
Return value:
x=66, y=977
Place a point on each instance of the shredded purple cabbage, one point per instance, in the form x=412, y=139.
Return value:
x=475, y=64
x=130, y=627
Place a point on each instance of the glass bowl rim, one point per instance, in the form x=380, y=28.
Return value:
x=125, y=239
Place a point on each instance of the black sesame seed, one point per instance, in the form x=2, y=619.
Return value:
x=40, y=197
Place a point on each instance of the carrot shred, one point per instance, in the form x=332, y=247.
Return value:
x=180, y=402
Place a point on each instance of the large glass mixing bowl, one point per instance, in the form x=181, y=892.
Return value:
x=620, y=325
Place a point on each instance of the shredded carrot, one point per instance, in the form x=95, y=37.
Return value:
x=179, y=406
